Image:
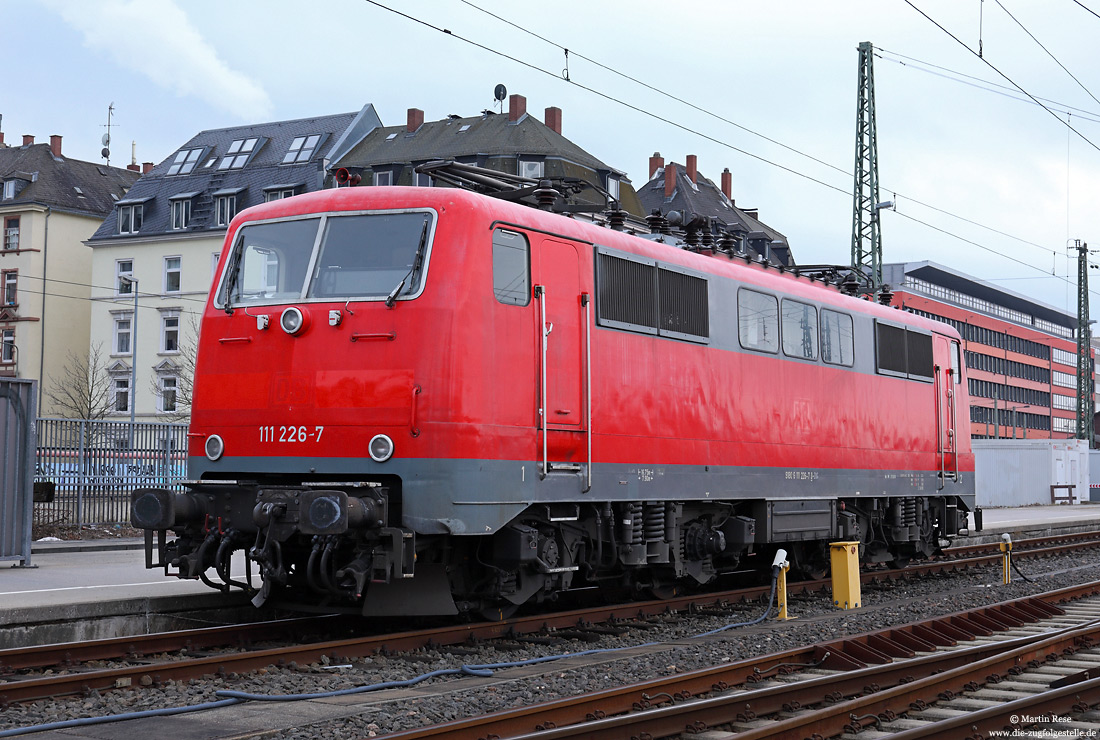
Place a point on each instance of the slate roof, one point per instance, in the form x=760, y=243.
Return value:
x=53, y=181
x=263, y=170
x=704, y=198
x=489, y=134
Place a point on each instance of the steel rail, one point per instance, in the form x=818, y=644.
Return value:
x=109, y=648
x=865, y=660
x=38, y=688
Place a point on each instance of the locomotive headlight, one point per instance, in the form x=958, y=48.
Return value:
x=381, y=448
x=292, y=320
x=214, y=447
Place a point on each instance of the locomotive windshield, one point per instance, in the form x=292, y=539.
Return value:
x=361, y=256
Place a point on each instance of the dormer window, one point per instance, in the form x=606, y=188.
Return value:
x=181, y=214
x=9, y=189
x=225, y=205
x=533, y=170
x=185, y=161
x=238, y=154
x=301, y=149
x=613, y=187
x=278, y=192
x=130, y=218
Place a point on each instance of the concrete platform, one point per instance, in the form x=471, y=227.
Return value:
x=99, y=588
x=1033, y=521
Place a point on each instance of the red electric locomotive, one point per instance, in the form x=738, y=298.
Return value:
x=431, y=401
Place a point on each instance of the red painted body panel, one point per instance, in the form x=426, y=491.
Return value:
x=476, y=365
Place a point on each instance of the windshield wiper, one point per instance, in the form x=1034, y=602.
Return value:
x=231, y=274
x=417, y=260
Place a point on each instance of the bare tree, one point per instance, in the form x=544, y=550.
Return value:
x=83, y=390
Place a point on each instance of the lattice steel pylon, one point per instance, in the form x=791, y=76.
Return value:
x=1084, y=347
x=866, y=234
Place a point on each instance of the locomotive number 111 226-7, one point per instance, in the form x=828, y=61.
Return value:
x=290, y=434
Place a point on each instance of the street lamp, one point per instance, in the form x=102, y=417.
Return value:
x=1015, y=409
x=133, y=283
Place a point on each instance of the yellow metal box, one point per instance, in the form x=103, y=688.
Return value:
x=844, y=557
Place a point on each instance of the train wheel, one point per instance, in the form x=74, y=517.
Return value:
x=809, y=560
x=666, y=590
x=498, y=612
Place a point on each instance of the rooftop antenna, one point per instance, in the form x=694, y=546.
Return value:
x=500, y=93
x=106, y=140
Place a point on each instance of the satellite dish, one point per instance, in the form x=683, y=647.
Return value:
x=106, y=140
x=105, y=153
x=500, y=93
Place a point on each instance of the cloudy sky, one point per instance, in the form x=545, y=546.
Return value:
x=984, y=182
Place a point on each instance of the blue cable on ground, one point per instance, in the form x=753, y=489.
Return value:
x=86, y=721
x=485, y=670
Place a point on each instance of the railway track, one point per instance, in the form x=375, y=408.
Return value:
x=64, y=668
x=960, y=676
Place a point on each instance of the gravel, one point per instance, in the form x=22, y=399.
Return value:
x=451, y=697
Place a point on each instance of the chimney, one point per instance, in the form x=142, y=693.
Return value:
x=517, y=107
x=727, y=184
x=27, y=139
x=692, y=168
x=146, y=168
x=1, y=138
x=416, y=120
x=55, y=145
x=133, y=167
x=670, y=179
x=656, y=162
x=553, y=119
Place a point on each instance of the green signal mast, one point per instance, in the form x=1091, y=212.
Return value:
x=866, y=232
x=1084, y=354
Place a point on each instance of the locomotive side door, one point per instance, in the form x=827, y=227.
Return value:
x=948, y=376
x=562, y=393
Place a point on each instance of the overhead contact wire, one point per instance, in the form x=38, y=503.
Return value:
x=718, y=117
x=613, y=99
x=1002, y=74
x=1051, y=55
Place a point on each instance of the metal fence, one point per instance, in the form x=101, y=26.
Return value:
x=94, y=465
x=17, y=399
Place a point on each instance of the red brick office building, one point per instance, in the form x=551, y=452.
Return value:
x=1021, y=354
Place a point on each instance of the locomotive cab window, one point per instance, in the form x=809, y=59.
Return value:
x=758, y=321
x=511, y=268
x=270, y=261
x=361, y=256
x=371, y=256
x=799, y=330
x=903, y=352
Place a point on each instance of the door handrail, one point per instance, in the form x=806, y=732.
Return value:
x=586, y=300
x=540, y=294
x=939, y=428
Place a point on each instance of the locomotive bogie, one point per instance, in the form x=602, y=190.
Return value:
x=429, y=401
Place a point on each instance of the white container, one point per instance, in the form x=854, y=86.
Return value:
x=1020, y=472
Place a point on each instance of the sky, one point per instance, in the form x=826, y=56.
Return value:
x=984, y=180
